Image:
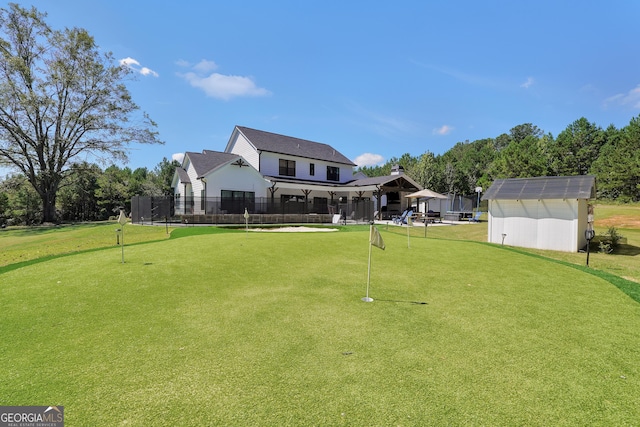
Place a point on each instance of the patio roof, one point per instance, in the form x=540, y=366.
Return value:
x=384, y=183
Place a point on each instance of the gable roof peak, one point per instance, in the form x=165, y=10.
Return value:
x=208, y=160
x=282, y=144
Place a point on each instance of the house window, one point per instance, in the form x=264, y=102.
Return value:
x=312, y=169
x=333, y=173
x=237, y=201
x=287, y=167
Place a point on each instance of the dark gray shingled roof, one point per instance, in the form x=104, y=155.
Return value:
x=281, y=144
x=546, y=187
x=208, y=160
x=183, y=175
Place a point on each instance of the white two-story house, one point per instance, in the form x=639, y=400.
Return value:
x=268, y=172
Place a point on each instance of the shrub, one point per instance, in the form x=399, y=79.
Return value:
x=609, y=240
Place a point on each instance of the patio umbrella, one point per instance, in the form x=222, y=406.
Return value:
x=426, y=194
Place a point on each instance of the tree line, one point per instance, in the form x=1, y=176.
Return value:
x=612, y=155
x=87, y=193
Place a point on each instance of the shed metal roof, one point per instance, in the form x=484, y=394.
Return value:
x=546, y=187
x=282, y=144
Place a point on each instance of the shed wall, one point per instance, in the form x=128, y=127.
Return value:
x=541, y=224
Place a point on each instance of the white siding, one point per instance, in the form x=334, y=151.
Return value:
x=541, y=224
x=270, y=166
x=232, y=177
x=239, y=145
x=196, y=184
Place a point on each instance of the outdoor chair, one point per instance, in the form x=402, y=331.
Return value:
x=401, y=218
x=408, y=215
x=476, y=217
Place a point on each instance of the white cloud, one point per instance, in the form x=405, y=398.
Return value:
x=135, y=65
x=178, y=157
x=368, y=159
x=443, y=130
x=631, y=98
x=205, y=66
x=129, y=62
x=218, y=85
x=147, y=71
x=528, y=83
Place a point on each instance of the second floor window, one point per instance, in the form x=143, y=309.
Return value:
x=312, y=169
x=287, y=167
x=333, y=173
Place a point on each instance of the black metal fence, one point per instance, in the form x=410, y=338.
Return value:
x=264, y=210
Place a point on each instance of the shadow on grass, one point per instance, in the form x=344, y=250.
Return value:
x=404, y=302
x=199, y=231
x=17, y=265
x=41, y=229
x=627, y=250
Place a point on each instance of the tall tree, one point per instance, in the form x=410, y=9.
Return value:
x=115, y=190
x=618, y=167
x=521, y=159
x=77, y=196
x=576, y=148
x=163, y=176
x=425, y=170
x=520, y=132
x=20, y=200
x=60, y=98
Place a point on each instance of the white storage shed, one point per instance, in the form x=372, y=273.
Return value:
x=543, y=212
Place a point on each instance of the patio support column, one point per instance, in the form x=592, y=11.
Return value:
x=272, y=191
x=306, y=200
x=378, y=193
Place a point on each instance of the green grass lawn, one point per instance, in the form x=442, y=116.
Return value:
x=624, y=262
x=23, y=244
x=230, y=328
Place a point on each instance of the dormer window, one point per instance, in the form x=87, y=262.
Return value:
x=287, y=167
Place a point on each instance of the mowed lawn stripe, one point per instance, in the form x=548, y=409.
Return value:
x=269, y=329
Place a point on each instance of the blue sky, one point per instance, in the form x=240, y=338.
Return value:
x=372, y=79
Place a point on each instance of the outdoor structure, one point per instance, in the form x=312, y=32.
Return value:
x=542, y=213
x=279, y=178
